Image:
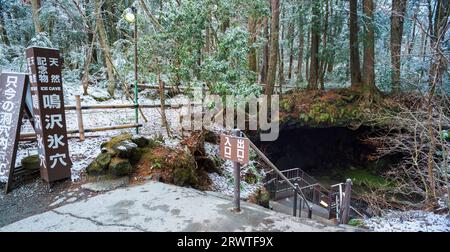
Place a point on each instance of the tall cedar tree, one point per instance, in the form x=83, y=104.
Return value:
x=397, y=20
x=274, y=45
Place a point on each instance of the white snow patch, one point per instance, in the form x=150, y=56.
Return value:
x=409, y=221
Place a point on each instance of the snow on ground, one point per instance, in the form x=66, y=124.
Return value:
x=225, y=183
x=83, y=153
x=410, y=221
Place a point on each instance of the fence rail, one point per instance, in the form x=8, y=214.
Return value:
x=78, y=108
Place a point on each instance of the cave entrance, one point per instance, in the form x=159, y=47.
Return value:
x=327, y=154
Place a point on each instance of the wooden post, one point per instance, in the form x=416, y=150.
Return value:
x=79, y=117
x=345, y=216
x=237, y=178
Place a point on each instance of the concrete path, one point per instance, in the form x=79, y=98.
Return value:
x=161, y=207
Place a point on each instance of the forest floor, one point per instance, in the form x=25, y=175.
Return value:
x=34, y=198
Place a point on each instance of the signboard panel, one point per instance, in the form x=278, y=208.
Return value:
x=44, y=67
x=12, y=96
x=234, y=148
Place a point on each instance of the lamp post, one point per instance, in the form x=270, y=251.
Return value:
x=131, y=17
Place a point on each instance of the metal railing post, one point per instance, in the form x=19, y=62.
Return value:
x=301, y=208
x=295, y=199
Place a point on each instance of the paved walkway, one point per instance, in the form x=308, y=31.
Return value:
x=161, y=207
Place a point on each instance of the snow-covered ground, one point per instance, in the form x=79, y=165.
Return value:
x=409, y=221
x=225, y=183
x=83, y=153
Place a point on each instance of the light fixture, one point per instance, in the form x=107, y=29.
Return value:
x=130, y=17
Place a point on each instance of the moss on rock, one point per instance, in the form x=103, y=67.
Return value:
x=31, y=162
x=322, y=108
x=100, y=165
x=119, y=167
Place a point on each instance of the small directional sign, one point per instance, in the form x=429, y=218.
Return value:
x=234, y=148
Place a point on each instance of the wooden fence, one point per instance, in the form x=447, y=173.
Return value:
x=78, y=108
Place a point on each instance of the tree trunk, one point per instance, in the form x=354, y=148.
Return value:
x=291, y=32
x=397, y=20
x=308, y=55
x=440, y=27
x=281, y=53
x=87, y=63
x=105, y=48
x=265, y=64
x=315, y=40
x=369, y=48
x=251, y=44
x=36, y=5
x=355, y=68
x=324, y=61
x=274, y=45
x=301, y=41
x=3, y=34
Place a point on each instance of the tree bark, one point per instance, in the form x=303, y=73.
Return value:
x=265, y=64
x=87, y=63
x=308, y=55
x=281, y=52
x=274, y=45
x=397, y=20
x=105, y=48
x=315, y=40
x=291, y=31
x=301, y=41
x=3, y=34
x=252, y=62
x=355, y=68
x=440, y=28
x=324, y=61
x=369, y=48
x=36, y=5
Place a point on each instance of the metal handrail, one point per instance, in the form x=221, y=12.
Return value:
x=273, y=167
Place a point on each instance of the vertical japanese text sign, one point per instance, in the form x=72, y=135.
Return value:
x=234, y=148
x=44, y=67
x=12, y=95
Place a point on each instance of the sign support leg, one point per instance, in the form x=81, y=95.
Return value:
x=237, y=179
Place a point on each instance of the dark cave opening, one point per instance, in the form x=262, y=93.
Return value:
x=325, y=153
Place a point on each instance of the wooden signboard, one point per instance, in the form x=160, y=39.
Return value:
x=12, y=102
x=234, y=148
x=44, y=67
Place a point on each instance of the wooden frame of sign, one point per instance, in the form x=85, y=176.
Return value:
x=13, y=89
x=44, y=68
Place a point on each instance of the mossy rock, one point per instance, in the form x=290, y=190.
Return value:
x=174, y=166
x=125, y=149
x=31, y=162
x=119, y=167
x=140, y=141
x=99, y=165
x=116, y=140
x=338, y=107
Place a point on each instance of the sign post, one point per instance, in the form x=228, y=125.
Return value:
x=236, y=149
x=12, y=101
x=44, y=67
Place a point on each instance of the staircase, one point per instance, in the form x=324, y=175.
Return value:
x=295, y=188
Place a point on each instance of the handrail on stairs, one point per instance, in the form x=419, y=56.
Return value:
x=295, y=188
